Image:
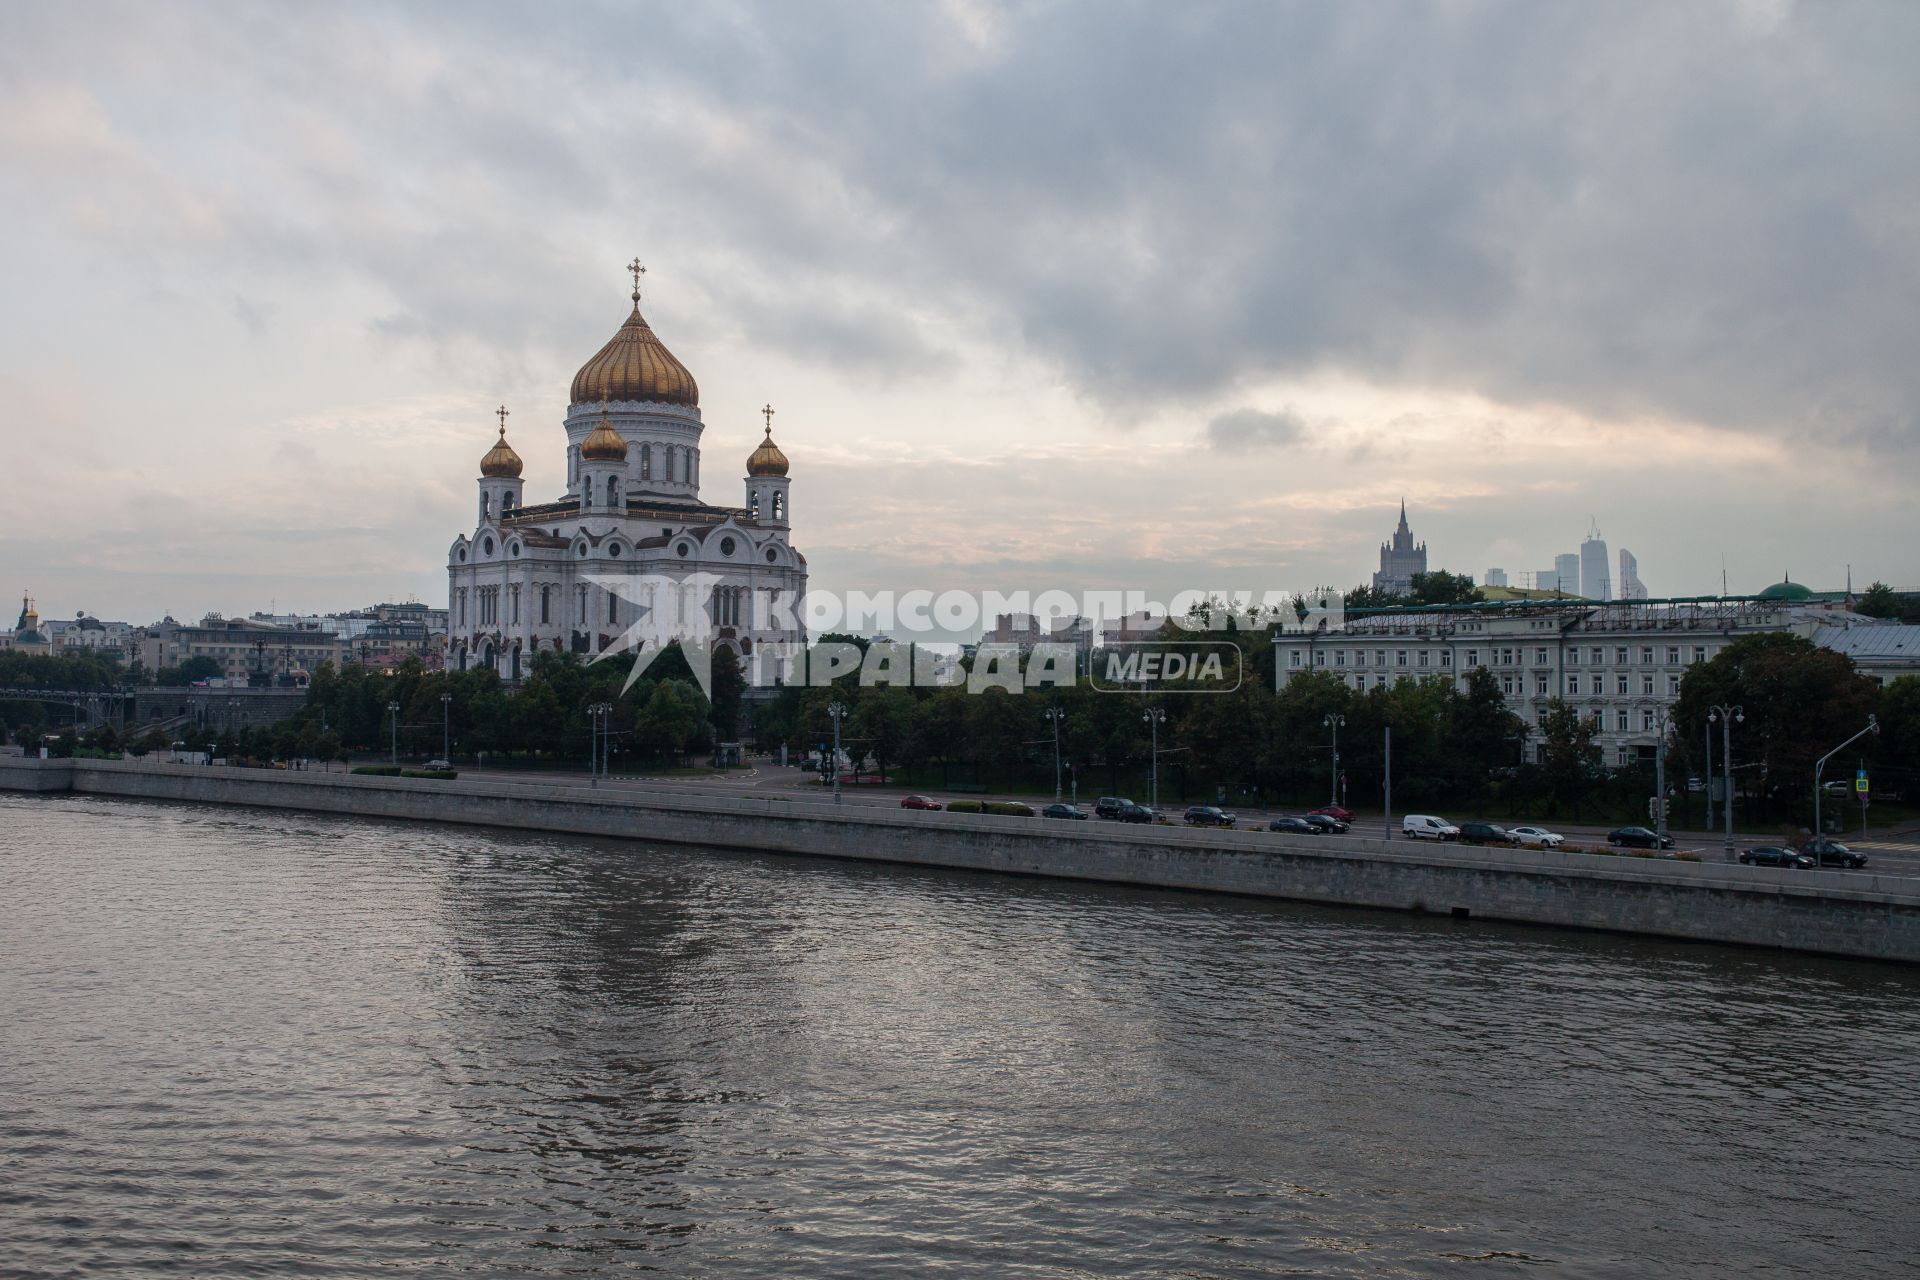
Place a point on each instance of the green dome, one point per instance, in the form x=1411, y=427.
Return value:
x=1786, y=589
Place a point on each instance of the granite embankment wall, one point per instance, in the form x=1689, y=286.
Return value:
x=1841, y=913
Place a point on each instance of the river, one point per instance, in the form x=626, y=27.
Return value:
x=241, y=1042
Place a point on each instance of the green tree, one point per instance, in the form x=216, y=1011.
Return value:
x=1441, y=587
x=1569, y=757
x=1877, y=601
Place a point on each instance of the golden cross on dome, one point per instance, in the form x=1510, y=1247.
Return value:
x=635, y=270
x=767, y=413
x=501, y=413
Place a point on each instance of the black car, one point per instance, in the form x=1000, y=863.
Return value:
x=1295, y=826
x=1831, y=853
x=1134, y=813
x=1063, y=811
x=1323, y=823
x=1484, y=833
x=1638, y=838
x=1206, y=815
x=1110, y=806
x=1774, y=856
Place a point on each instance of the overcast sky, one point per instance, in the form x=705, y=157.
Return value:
x=1144, y=296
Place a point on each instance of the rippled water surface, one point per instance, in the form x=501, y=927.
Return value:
x=234, y=1042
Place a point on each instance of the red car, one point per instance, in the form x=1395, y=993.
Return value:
x=1341, y=812
x=921, y=802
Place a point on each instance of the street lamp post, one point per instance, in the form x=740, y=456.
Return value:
x=597, y=716
x=1334, y=722
x=1728, y=717
x=1706, y=776
x=1663, y=725
x=838, y=711
x=446, y=727
x=1055, y=715
x=393, y=710
x=1155, y=717
x=1873, y=726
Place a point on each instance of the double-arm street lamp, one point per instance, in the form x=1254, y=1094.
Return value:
x=393, y=710
x=446, y=727
x=838, y=710
x=1873, y=726
x=1155, y=717
x=1054, y=716
x=1726, y=717
x=1333, y=722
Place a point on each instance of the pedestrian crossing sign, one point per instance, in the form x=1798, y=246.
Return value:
x=1860, y=782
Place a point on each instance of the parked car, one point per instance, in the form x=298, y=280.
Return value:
x=438, y=765
x=1326, y=825
x=1485, y=833
x=1537, y=837
x=1110, y=806
x=1333, y=811
x=1063, y=811
x=921, y=802
x=1831, y=853
x=1295, y=827
x=1638, y=838
x=1774, y=856
x=1838, y=787
x=1206, y=815
x=1135, y=813
x=1424, y=826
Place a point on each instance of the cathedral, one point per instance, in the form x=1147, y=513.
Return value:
x=525, y=578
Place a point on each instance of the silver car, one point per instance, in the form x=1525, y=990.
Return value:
x=1536, y=837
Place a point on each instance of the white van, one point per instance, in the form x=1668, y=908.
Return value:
x=1424, y=826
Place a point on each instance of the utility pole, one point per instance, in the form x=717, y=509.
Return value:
x=1706, y=778
x=393, y=709
x=1388, y=819
x=446, y=728
x=838, y=711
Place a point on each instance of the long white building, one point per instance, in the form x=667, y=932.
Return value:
x=1619, y=663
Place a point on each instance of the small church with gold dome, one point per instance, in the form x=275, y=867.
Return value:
x=524, y=579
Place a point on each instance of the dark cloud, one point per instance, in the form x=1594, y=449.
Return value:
x=1249, y=430
x=1700, y=211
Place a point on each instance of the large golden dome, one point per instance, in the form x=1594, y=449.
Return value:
x=603, y=443
x=767, y=460
x=635, y=365
x=501, y=462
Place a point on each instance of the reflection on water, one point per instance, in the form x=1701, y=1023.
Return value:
x=234, y=1042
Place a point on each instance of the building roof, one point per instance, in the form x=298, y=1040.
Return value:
x=1880, y=642
x=635, y=365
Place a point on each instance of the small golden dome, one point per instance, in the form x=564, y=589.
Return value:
x=501, y=462
x=767, y=460
x=635, y=365
x=604, y=444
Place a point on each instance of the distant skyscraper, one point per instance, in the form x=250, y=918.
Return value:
x=1496, y=577
x=1594, y=582
x=1631, y=588
x=1566, y=574
x=1400, y=559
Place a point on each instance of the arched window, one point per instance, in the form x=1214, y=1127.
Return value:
x=546, y=605
x=613, y=491
x=486, y=506
x=646, y=462
x=779, y=507
x=753, y=504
